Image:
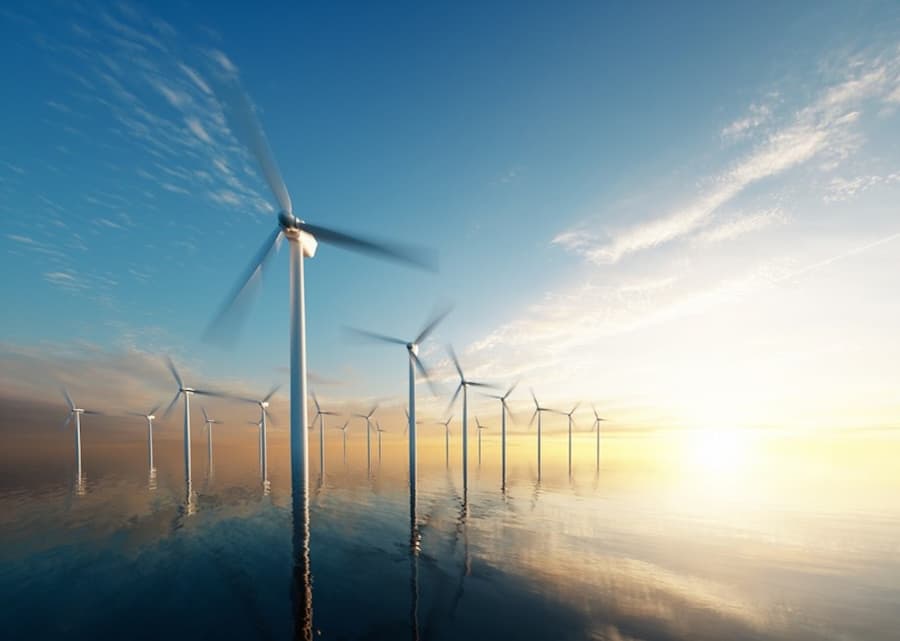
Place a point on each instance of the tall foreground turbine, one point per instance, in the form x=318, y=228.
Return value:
x=303, y=239
x=464, y=384
x=76, y=412
x=504, y=409
x=412, y=351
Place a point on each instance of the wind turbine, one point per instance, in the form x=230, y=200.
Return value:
x=76, y=412
x=343, y=429
x=368, y=419
x=149, y=417
x=379, y=431
x=480, y=428
x=412, y=350
x=303, y=239
x=263, y=404
x=571, y=418
x=209, y=422
x=187, y=392
x=464, y=385
x=504, y=408
x=538, y=412
x=321, y=416
x=596, y=426
x=446, y=425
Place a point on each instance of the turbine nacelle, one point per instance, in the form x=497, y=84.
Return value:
x=292, y=228
x=413, y=348
x=151, y=417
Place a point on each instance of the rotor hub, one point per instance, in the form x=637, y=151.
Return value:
x=413, y=348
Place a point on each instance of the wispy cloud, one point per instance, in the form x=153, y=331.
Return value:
x=740, y=128
x=740, y=225
x=824, y=129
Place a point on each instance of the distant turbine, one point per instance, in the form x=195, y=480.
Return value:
x=464, y=385
x=412, y=350
x=149, y=417
x=76, y=412
x=571, y=418
x=368, y=419
x=321, y=416
x=480, y=428
x=209, y=422
x=504, y=409
x=446, y=425
x=596, y=426
x=186, y=392
x=264, y=415
x=343, y=429
x=538, y=412
x=302, y=238
x=379, y=431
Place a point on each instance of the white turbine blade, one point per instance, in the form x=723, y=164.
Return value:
x=399, y=252
x=228, y=320
x=375, y=336
x=247, y=128
x=172, y=404
x=69, y=400
x=455, y=396
x=271, y=393
x=174, y=371
x=456, y=362
x=67, y=421
x=436, y=318
x=424, y=372
x=269, y=416
x=205, y=415
x=154, y=410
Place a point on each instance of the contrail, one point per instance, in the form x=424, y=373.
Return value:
x=847, y=254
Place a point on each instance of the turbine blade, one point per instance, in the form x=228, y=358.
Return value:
x=227, y=322
x=510, y=390
x=172, y=404
x=270, y=417
x=436, y=318
x=171, y=365
x=577, y=405
x=533, y=416
x=67, y=421
x=247, y=129
x=205, y=415
x=272, y=391
x=456, y=362
x=398, y=252
x=510, y=413
x=455, y=396
x=536, y=404
x=477, y=384
x=375, y=336
x=153, y=411
x=68, y=398
x=94, y=412
x=316, y=403
x=424, y=372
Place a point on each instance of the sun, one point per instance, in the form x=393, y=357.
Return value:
x=719, y=450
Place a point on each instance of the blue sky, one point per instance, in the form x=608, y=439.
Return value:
x=632, y=204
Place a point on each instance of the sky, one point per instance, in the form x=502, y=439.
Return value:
x=685, y=215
